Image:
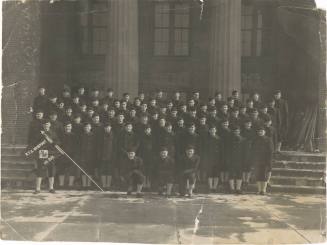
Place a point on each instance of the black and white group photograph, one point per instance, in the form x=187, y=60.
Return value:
x=164, y=121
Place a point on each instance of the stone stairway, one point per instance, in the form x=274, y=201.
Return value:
x=298, y=172
x=293, y=172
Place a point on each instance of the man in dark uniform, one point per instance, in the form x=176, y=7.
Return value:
x=256, y=100
x=133, y=172
x=203, y=131
x=56, y=125
x=214, y=156
x=203, y=110
x=86, y=154
x=65, y=167
x=282, y=106
x=66, y=97
x=213, y=119
x=119, y=125
x=190, y=137
x=109, y=98
x=235, y=96
x=35, y=126
x=262, y=155
x=196, y=98
x=189, y=164
x=40, y=102
x=77, y=125
x=52, y=104
x=165, y=166
x=177, y=99
x=237, y=154
x=234, y=119
x=107, y=153
x=219, y=99
x=248, y=133
x=97, y=129
x=256, y=121
x=45, y=166
x=223, y=113
x=212, y=104
x=225, y=133
x=146, y=151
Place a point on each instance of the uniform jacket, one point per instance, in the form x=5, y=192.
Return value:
x=262, y=151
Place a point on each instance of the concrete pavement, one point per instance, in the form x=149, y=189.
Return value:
x=113, y=217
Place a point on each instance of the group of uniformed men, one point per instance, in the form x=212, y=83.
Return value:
x=154, y=142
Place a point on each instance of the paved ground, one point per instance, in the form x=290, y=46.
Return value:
x=76, y=216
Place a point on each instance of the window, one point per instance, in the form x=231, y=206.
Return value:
x=171, y=29
x=93, y=27
x=255, y=31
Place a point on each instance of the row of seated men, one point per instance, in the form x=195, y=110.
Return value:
x=102, y=139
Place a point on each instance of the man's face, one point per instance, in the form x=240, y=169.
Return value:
x=163, y=110
x=129, y=128
x=111, y=113
x=261, y=132
x=141, y=96
x=83, y=107
x=224, y=108
x=66, y=94
x=137, y=102
x=219, y=97
x=61, y=105
x=95, y=103
x=39, y=115
x=272, y=104
x=212, y=131
x=121, y=118
x=81, y=91
x=144, y=119
x=196, y=95
x=153, y=102
x=255, y=114
x=126, y=97
x=191, y=103
x=170, y=105
x=46, y=126
x=235, y=113
x=117, y=104
x=203, y=120
x=256, y=97
x=42, y=91
x=53, y=117
x=169, y=128
x=96, y=119
x=90, y=112
x=96, y=93
x=132, y=113
x=191, y=129
x=268, y=123
x=213, y=113
x=225, y=124
x=212, y=102
x=160, y=94
x=177, y=95
x=87, y=128
x=180, y=123
x=204, y=108
x=231, y=103
x=69, y=111
x=163, y=154
x=110, y=94
x=107, y=129
x=189, y=153
x=155, y=116
x=193, y=113
x=235, y=95
x=105, y=106
x=174, y=113
x=76, y=100
x=162, y=122
x=183, y=108
x=248, y=125
x=124, y=105
x=131, y=155
x=68, y=128
x=264, y=110
x=278, y=96
x=243, y=110
x=77, y=120
x=250, y=104
x=144, y=107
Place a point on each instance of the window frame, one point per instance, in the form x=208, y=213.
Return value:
x=90, y=27
x=171, y=29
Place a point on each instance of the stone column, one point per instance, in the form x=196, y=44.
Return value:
x=122, y=60
x=225, y=46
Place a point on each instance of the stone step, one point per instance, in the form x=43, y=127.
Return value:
x=297, y=189
x=297, y=172
x=17, y=165
x=300, y=156
x=16, y=174
x=299, y=165
x=14, y=157
x=12, y=149
x=296, y=181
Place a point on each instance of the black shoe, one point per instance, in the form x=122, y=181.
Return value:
x=262, y=193
x=36, y=192
x=238, y=192
x=139, y=195
x=52, y=191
